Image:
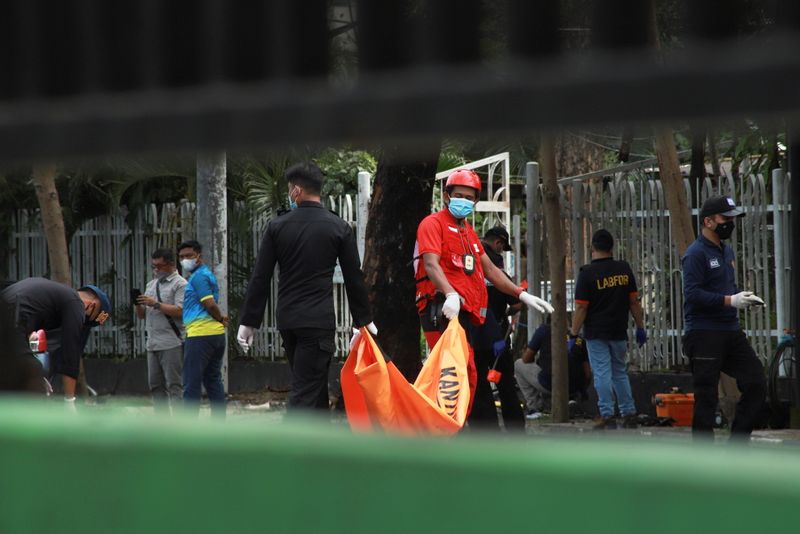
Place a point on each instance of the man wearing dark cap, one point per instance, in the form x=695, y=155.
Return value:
x=491, y=350
x=604, y=294
x=713, y=339
x=497, y=239
x=42, y=304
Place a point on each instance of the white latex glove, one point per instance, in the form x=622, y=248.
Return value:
x=245, y=337
x=355, y=338
x=452, y=305
x=745, y=299
x=48, y=389
x=535, y=302
x=69, y=405
x=372, y=329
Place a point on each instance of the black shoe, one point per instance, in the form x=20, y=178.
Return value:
x=605, y=423
x=630, y=421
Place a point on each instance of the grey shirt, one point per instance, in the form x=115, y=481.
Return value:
x=160, y=335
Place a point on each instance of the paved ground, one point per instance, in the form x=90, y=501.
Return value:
x=583, y=427
x=270, y=407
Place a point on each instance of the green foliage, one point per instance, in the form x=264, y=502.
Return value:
x=341, y=168
x=16, y=190
x=756, y=142
x=92, y=189
x=452, y=155
x=521, y=150
x=259, y=181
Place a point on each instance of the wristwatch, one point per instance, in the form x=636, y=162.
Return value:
x=157, y=306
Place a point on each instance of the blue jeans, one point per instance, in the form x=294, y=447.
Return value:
x=202, y=364
x=607, y=358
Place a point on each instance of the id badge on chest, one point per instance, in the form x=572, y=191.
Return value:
x=469, y=263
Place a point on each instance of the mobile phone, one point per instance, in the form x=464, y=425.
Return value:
x=135, y=294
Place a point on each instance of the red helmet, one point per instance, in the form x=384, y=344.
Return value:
x=464, y=177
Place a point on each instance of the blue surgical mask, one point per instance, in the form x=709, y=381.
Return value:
x=461, y=208
x=292, y=203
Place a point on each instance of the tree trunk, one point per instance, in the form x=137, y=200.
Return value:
x=558, y=287
x=44, y=183
x=669, y=167
x=401, y=198
x=574, y=155
x=674, y=191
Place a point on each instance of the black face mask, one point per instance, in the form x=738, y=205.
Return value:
x=725, y=230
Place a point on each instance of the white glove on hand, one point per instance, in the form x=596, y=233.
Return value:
x=535, y=302
x=69, y=405
x=245, y=337
x=745, y=299
x=452, y=305
x=355, y=338
x=371, y=328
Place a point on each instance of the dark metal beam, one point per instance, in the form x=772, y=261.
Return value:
x=708, y=82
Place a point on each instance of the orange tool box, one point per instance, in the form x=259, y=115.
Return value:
x=678, y=406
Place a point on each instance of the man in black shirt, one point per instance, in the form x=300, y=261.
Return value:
x=306, y=242
x=39, y=303
x=495, y=242
x=489, y=344
x=604, y=294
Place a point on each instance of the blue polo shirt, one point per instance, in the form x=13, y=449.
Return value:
x=708, y=275
x=202, y=285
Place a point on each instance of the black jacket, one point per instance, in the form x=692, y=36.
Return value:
x=40, y=303
x=305, y=243
x=498, y=301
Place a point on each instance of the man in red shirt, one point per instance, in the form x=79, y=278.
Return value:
x=450, y=275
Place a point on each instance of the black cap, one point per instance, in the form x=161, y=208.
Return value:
x=722, y=205
x=603, y=240
x=498, y=231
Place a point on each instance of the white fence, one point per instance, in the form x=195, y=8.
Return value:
x=631, y=205
x=109, y=253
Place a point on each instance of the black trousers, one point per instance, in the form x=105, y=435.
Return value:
x=712, y=351
x=309, y=351
x=484, y=412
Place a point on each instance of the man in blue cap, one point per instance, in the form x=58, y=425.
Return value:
x=42, y=304
x=713, y=339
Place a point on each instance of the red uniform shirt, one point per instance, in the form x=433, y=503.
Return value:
x=442, y=234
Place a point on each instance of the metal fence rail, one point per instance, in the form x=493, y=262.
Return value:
x=631, y=205
x=106, y=251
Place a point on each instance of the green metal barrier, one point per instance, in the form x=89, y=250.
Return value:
x=112, y=472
